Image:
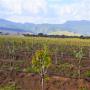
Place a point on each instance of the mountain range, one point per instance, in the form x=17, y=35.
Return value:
x=81, y=27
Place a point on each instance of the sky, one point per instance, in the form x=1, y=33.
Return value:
x=44, y=11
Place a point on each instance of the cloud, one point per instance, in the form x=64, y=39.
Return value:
x=12, y=6
x=45, y=11
x=34, y=6
x=20, y=6
x=73, y=11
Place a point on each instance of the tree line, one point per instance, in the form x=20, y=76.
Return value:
x=56, y=36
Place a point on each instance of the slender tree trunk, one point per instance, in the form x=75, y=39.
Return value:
x=42, y=77
x=42, y=82
x=79, y=69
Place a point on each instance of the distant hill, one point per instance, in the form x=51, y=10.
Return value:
x=12, y=27
x=80, y=27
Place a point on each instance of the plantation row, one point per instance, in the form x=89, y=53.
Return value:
x=64, y=57
x=18, y=51
x=17, y=46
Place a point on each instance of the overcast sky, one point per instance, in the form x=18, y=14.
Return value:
x=44, y=11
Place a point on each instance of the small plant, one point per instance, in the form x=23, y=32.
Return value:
x=40, y=63
x=79, y=55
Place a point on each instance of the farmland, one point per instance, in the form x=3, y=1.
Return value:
x=69, y=69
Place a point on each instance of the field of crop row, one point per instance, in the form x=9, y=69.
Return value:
x=70, y=59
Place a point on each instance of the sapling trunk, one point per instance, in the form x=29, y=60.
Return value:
x=42, y=82
x=79, y=69
x=42, y=74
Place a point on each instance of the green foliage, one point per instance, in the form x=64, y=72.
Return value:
x=41, y=60
x=79, y=54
